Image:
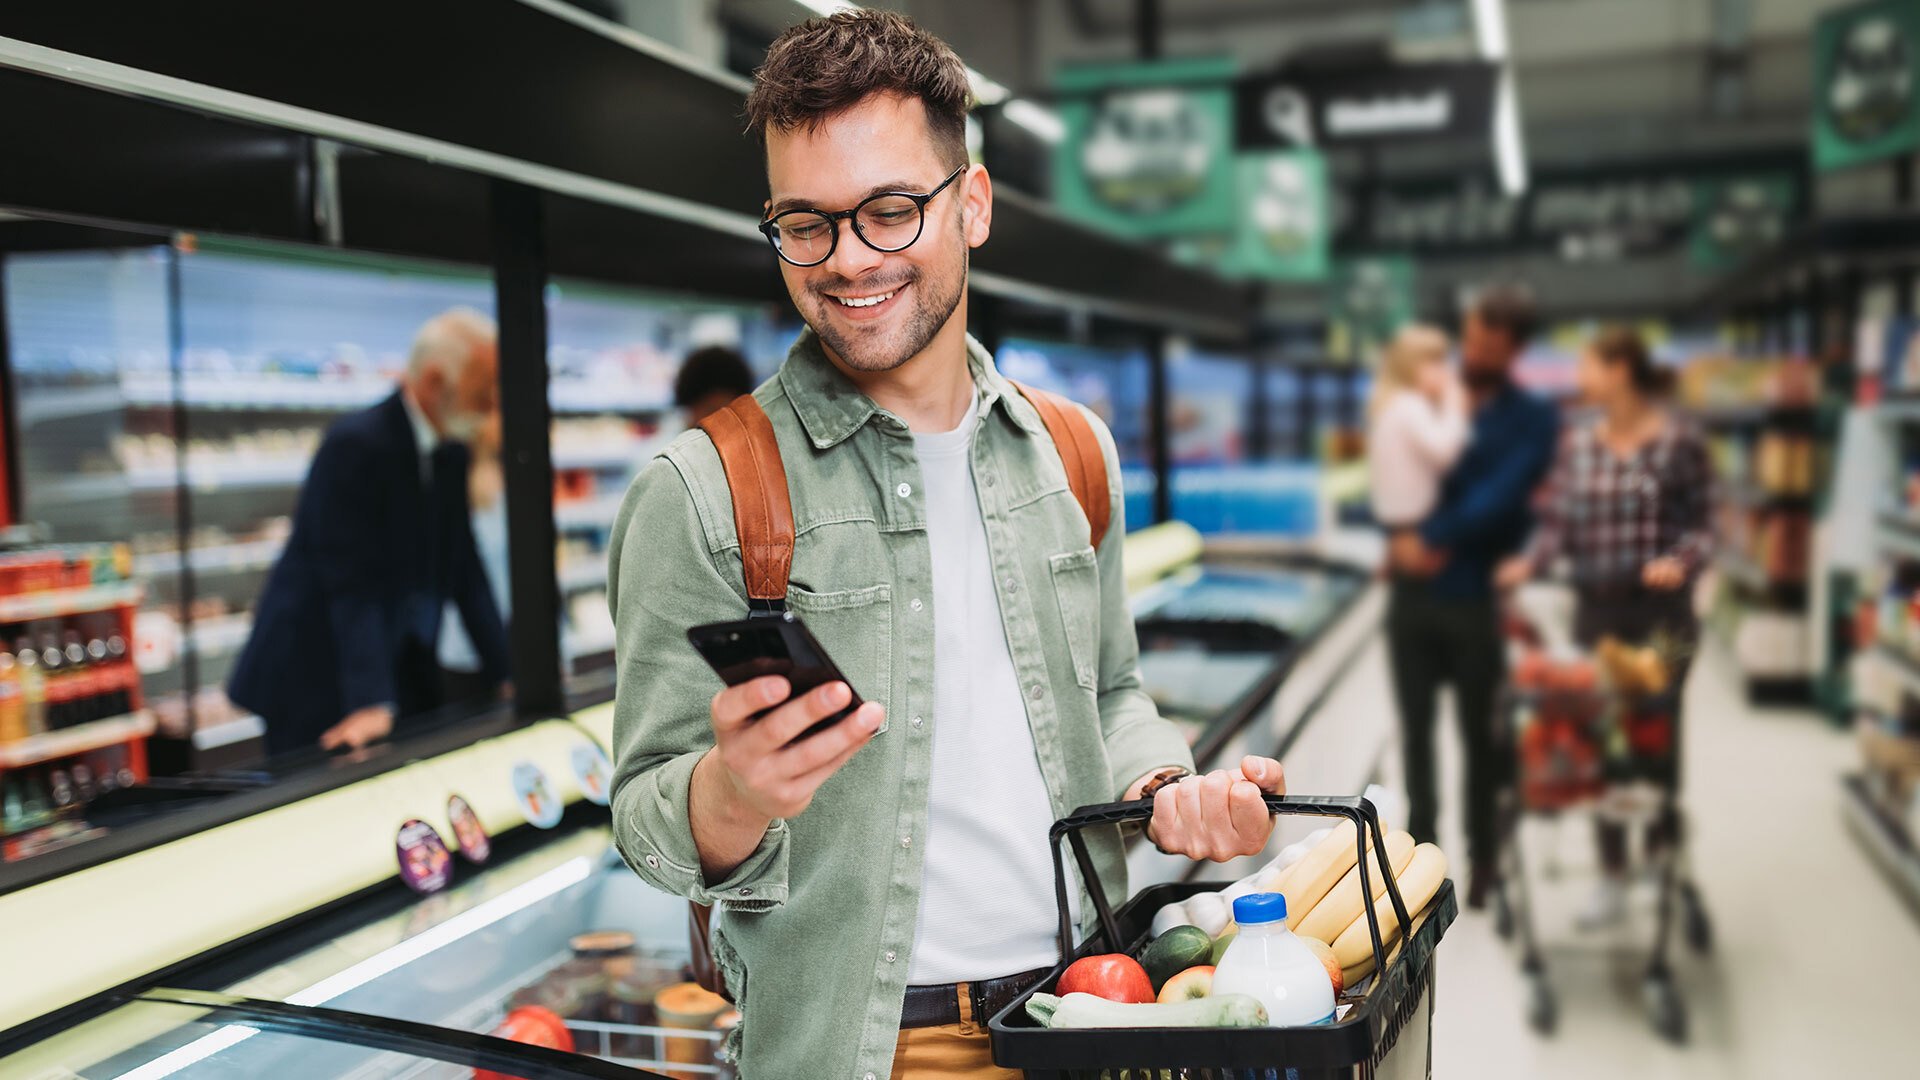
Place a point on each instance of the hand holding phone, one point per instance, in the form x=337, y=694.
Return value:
x=787, y=720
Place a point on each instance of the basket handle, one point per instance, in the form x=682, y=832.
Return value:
x=1354, y=808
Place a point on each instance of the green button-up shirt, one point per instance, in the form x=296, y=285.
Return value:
x=815, y=929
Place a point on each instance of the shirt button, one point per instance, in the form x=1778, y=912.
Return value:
x=746, y=891
x=890, y=955
x=1012, y=585
x=903, y=490
x=916, y=604
x=906, y=841
x=1034, y=691
x=652, y=862
x=915, y=721
x=869, y=1076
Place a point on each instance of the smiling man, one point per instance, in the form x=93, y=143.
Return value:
x=882, y=887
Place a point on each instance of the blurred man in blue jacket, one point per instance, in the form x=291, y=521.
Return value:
x=1443, y=619
x=345, y=634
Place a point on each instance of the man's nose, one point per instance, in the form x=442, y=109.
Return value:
x=852, y=258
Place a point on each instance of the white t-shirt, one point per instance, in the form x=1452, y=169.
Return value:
x=986, y=886
x=1410, y=448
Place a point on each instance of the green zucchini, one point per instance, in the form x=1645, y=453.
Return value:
x=1088, y=1011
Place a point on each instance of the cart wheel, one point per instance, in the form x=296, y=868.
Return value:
x=1699, y=926
x=1543, y=1011
x=1665, y=1009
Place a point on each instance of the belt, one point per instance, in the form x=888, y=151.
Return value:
x=936, y=1006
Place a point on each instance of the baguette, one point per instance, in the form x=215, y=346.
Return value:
x=1418, y=883
x=1337, y=910
x=1314, y=876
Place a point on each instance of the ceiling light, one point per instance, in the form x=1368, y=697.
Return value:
x=1490, y=28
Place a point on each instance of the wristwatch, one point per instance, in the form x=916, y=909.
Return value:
x=1172, y=774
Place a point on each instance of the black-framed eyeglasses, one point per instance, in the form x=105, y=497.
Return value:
x=889, y=221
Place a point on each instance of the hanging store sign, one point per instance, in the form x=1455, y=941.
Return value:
x=1285, y=218
x=1345, y=106
x=1149, y=147
x=1866, y=83
x=1372, y=298
x=1636, y=210
x=1736, y=218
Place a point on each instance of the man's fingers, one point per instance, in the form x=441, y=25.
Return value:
x=784, y=724
x=854, y=736
x=835, y=744
x=1266, y=773
x=1248, y=813
x=734, y=706
x=1190, y=817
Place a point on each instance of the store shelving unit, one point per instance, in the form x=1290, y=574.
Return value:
x=1883, y=837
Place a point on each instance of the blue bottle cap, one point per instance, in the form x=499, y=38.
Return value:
x=1254, y=909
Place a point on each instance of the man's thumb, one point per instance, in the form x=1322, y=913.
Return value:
x=1265, y=772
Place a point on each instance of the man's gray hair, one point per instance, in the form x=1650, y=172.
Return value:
x=448, y=341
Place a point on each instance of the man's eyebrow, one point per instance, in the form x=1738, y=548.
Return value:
x=785, y=205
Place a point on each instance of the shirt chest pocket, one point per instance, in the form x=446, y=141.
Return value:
x=855, y=627
x=1076, y=586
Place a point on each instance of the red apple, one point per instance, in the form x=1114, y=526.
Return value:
x=1195, y=982
x=1114, y=976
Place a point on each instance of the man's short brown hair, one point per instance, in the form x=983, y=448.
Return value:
x=827, y=65
x=1509, y=309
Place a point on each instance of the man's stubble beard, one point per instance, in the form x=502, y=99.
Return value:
x=929, y=315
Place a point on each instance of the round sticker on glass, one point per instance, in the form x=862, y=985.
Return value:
x=468, y=833
x=425, y=863
x=537, y=800
x=593, y=771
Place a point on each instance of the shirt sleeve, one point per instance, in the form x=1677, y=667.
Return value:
x=1489, y=503
x=1690, y=507
x=1436, y=435
x=662, y=578
x=1138, y=739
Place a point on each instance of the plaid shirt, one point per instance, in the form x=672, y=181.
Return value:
x=1610, y=516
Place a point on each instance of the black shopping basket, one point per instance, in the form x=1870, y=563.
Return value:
x=1383, y=1027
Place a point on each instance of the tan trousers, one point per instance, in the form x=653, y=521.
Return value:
x=950, y=1050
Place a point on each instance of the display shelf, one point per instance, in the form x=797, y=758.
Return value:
x=596, y=513
x=254, y=393
x=1755, y=415
x=81, y=739
x=59, y=603
x=235, y=475
x=583, y=575
x=1903, y=408
x=1754, y=497
x=212, y=639
x=1884, y=838
x=582, y=396
x=1900, y=534
x=242, y=557
x=45, y=405
x=1744, y=572
x=629, y=455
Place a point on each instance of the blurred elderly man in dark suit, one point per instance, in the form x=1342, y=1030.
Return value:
x=345, y=632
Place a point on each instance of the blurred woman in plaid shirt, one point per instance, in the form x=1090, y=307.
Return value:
x=1627, y=511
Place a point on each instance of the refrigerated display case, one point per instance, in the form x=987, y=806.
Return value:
x=1114, y=382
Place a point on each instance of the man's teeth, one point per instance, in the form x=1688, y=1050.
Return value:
x=865, y=301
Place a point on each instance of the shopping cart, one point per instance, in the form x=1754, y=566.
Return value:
x=1577, y=746
x=1382, y=1027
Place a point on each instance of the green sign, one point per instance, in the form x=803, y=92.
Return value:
x=1149, y=147
x=1284, y=219
x=1866, y=89
x=1736, y=217
x=1372, y=298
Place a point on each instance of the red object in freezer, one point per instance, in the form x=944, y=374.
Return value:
x=534, y=1026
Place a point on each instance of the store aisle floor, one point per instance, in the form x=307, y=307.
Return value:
x=1816, y=964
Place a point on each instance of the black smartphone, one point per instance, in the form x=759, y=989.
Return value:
x=746, y=649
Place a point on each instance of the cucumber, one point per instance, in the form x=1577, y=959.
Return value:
x=1087, y=1011
x=1174, y=952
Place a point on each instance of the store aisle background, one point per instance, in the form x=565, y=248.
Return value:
x=1815, y=969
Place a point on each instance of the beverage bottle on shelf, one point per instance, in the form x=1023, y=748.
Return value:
x=13, y=707
x=53, y=661
x=83, y=689
x=126, y=677
x=1268, y=963
x=33, y=686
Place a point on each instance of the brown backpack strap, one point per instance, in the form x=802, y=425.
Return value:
x=762, y=509
x=1080, y=452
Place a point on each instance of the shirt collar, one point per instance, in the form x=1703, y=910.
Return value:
x=425, y=439
x=831, y=408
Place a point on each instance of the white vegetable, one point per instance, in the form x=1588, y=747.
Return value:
x=1313, y=838
x=1289, y=855
x=1088, y=1011
x=1239, y=889
x=1170, y=916
x=1208, y=911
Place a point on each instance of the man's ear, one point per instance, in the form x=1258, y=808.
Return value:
x=978, y=196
